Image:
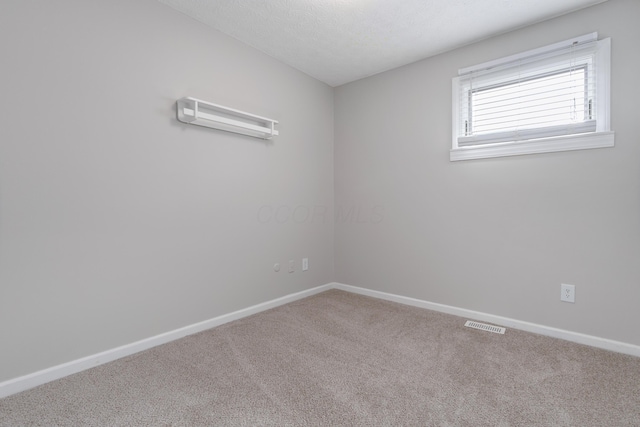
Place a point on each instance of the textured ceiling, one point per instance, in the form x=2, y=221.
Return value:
x=338, y=41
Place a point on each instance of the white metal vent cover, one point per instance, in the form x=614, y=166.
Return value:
x=485, y=327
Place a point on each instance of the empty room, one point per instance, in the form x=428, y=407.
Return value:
x=319, y=212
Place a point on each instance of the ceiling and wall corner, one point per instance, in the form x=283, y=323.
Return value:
x=339, y=41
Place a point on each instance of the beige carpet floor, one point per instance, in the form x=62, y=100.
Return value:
x=343, y=359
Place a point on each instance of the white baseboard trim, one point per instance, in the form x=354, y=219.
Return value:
x=35, y=379
x=603, y=343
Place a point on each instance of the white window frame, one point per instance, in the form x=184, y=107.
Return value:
x=485, y=147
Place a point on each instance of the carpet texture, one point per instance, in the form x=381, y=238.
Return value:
x=338, y=358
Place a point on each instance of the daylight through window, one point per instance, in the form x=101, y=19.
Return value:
x=546, y=97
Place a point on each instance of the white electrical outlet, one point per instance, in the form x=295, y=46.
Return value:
x=567, y=293
x=291, y=266
x=305, y=264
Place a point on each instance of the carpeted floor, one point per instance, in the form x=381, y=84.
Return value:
x=343, y=359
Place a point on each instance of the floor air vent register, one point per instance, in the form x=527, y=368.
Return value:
x=485, y=327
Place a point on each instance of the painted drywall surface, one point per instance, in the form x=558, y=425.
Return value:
x=117, y=222
x=495, y=235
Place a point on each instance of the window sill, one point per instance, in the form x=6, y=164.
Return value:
x=583, y=141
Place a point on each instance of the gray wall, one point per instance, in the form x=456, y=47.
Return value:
x=117, y=222
x=497, y=235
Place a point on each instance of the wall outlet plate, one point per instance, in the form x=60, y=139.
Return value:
x=305, y=264
x=567, y=293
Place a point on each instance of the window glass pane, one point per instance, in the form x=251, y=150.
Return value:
x=549, y=100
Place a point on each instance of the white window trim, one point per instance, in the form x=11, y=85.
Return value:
x=601, y=138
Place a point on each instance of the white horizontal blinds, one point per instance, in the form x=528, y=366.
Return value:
x=550, y=93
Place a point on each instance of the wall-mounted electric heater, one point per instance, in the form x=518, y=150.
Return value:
x=197, y=112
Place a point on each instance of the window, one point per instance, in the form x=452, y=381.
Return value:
x=555, y=98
